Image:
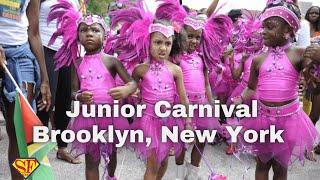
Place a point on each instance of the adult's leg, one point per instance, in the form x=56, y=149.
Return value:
x=113, y=163
x=13, y=153
x=2, y=108
x=61, y=120
x=314, y=115
x=315, y=110
x=53, y=79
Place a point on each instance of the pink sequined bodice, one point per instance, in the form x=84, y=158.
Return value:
x=278, y=79
x=95, y=77
x=192, y=68
x=157, y=84
x=246, y=69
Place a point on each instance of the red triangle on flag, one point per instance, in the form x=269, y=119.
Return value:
x=29, y=119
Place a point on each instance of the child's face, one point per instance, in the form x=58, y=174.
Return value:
x=91, y=36
x=160, y=46
x=274, y=30
x=314, y=14
x=193, y=38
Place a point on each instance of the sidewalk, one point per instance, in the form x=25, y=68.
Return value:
x=129, y=167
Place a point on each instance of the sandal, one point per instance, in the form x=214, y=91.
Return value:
x=317, y=149
x=310, y=156
x=66, y=156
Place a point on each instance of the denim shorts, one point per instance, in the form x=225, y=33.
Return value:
x=24, y=68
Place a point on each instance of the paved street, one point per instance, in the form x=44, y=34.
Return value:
x=129, y=167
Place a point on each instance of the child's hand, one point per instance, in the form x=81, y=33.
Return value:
x=119, y=92
x=85, y=97
x=136, y=93
x=237, y=100
x=123, y=91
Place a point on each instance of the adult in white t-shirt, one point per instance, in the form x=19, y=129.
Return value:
x=21, y=47
x=60, y=81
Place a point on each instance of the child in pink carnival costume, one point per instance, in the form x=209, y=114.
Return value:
x=144, y=39
x=92, y=80
x=221, y=78
x=248, y=44
x=275, y=75
x=116, y=44
x=201, y=42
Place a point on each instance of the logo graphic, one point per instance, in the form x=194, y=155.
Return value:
x=26, y=166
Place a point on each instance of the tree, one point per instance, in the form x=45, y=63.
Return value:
x=99, y=7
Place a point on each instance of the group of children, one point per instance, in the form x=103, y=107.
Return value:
x=185, y=57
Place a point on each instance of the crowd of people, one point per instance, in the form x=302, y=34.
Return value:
x=177, y=54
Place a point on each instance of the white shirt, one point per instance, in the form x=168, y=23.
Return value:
x=47, y=30
x=303, y=34
x=14, y=32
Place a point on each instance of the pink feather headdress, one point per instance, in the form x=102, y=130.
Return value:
x=68, y=19
x=249, y=38
x=216, y=29
x=133, y=41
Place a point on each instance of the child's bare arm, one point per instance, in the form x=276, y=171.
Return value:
x=139, y=72
x=249, y=91
x=212, y=7
x=178, y=77
x=121, y=71
x=208, y=87
x=236, y=72
x=129, y=88
x=85, y=96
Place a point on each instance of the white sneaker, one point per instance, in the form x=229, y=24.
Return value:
x=193, y=172
x=181, y=172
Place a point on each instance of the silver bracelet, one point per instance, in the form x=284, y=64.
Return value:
x=76, y=96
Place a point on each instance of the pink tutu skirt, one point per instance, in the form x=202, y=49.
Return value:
x=95, y=148
x=299, y=135
x=151, y=127
x=202, y=123
x=205, y=123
